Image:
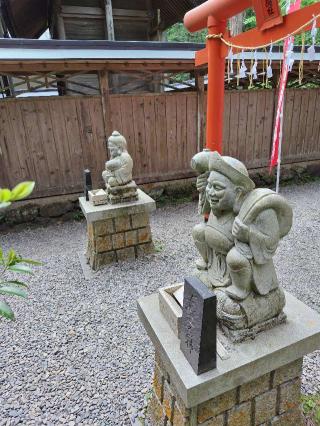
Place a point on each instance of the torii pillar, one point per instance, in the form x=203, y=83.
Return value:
x=213, y=14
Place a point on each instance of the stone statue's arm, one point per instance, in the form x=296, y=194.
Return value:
x=113, y=164
x=264, y=236
x=202, y=181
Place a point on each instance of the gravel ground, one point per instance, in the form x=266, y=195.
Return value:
x=77, y=352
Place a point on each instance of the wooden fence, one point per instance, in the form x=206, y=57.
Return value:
x=51, y=140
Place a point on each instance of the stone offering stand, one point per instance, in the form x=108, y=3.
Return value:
x=118, y=232
x=256, y=382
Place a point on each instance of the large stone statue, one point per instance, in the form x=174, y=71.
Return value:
x=118, y=171
x=237, y=241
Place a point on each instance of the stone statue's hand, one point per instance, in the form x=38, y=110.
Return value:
x=240, y=231
x=202, y=181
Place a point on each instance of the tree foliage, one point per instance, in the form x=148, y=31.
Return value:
x=178, y=32
x=11, y=262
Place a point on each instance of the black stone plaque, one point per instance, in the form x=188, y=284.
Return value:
x=198, y=336
x=87, y=183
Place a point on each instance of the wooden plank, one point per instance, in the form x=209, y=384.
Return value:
x=142, y=160
x=18, y=143
x=30, y=120
x=287, y=117
x=310, y=144
x=105, y=100
x=234, y=124
x=180, y=147
x=11, y=177
x=260, y=111
x=304, y=100
x=316, y=127
x=150, y=131
x=126, y=111
x=109, y=20
x=45, y=129
x=199, y=79
x=97, y=141
x=242, y=126
x=161, y=135
x=62, y=145
x=266, y=143
x=191, y=144
x=82, y=11
x=171, y=114
x=295, y=119
x=226, y=123
x=115, y=116
x=251, y=128
x=71, y=123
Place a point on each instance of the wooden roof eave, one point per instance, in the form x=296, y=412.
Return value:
x=30, y=66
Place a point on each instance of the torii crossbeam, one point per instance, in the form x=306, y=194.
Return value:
x=271, y=28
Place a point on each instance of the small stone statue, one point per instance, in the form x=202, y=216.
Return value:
x=118, y=171
x=238, y=242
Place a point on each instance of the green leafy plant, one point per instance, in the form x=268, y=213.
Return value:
x=311, y=409
x=22, y=190
x=11, y=262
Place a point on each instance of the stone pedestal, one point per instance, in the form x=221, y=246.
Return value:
x=255, y=383
x=118, y=232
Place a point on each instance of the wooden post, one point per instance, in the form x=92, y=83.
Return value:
x=105, y=100
x=60, y=22
x=109, y=20
x=199, y=80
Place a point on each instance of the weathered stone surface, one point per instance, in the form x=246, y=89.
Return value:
x=118, y=241
x=290, y=418
x=145, y=204
x=240, y=415
x=168, y=401
x=118, y=170
x=265, y=406
x=161, y=366
x=155, y=415
x=290, y=395
x=216, y=421
x=242, y=223
x=97, y=260
x=255, y=387
x=127, y=253
x=131, y=238
x=199, y=326
x=26, y=213
x=144, y=235
x=158, y=381
x=139, y=220
x=56, y=209
x=178, y=418
x=103, y=244
x=103, y=227
x=287, y=372
x=122, y=223
x=142, y=249
x=216, y=406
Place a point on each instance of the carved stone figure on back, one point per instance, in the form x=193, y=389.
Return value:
x=118, y=171
x=238, y=241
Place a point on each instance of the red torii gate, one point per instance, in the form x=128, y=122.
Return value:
x=272, y=27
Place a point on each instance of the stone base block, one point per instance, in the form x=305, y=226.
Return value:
x=258, y=383
x=118, y=232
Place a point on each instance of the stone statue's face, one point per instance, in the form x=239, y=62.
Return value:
x=221, y=193
x=114, y=150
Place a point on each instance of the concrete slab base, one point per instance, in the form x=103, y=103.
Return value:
x=259, y=381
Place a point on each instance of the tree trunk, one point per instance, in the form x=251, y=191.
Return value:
x=236, y=24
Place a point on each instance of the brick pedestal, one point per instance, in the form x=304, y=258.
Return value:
x=272, y=399
x=118, y=232
x=256, y=382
